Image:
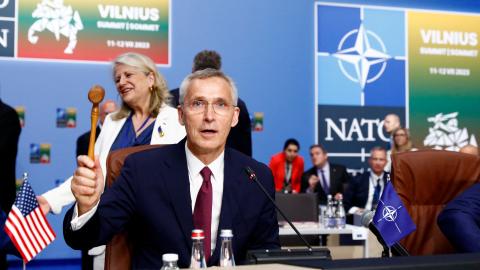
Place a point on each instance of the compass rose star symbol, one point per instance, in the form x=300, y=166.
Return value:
x=362, y=55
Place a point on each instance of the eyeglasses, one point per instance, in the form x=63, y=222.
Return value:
x=400, y=135
x=220, y=107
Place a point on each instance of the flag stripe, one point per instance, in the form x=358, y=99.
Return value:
x=46, y=227
x=17, y=223
x=26, y=228
x=29, y=233
x=35, y=233
x=17, y=241
x=43, y=236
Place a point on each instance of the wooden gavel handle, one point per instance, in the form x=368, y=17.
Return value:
x=93, y=131
x=95, y=95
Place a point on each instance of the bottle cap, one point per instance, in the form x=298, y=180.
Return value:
x=198, y=234
x=226, y=233
x=170, y=257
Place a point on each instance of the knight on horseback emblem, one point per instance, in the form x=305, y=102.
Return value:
x=57, y=18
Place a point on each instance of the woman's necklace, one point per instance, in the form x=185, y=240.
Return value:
x=143, y=125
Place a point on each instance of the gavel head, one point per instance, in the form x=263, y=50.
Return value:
x=96, y=94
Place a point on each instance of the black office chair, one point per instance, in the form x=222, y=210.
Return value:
x=297, y=207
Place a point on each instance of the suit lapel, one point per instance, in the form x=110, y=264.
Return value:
x=233, y=175
x=178, y=186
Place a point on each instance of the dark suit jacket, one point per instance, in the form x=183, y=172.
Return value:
x=356, y=193
x=460, y=220
x=338, y=178
x=83, y=140
x=9, y=135
x=152, y=197
x=240, y=136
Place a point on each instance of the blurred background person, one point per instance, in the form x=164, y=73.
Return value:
x=324, y=177
x=469, y=149
x=240, y=136
x=390, y=123
x=10, y=126
x=287, y=168
x=401, y=141
x=363, y=191
x=144, y=118
x=106, y=107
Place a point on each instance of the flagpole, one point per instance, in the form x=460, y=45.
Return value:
x=24, y=266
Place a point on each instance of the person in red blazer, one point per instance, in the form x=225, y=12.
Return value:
x=287, y=168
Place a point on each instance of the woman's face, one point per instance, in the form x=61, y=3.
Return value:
x=400, y=137
x=133, y=85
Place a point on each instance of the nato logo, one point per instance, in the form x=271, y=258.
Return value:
x=360, y=56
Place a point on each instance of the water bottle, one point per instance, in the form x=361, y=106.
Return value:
x=226, y=252
x=198, y=256
x=329, y=217
x=340, y=217
x=170, y=261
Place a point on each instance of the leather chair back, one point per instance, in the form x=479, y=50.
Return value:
x=425, y=181
x=118, y=254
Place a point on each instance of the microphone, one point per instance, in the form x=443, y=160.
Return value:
x=283, y=255
x=397, y=249
x=251, y=175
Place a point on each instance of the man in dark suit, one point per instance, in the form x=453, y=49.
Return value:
x=158, y=190
x=83, y=140
x=240, y=136
x=324, y=177
x=10, y=126
x=364, y=191
x=460, y=220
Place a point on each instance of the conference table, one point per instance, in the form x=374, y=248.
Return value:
x=316, y=228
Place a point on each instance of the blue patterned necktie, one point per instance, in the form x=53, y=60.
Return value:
x=325, y=186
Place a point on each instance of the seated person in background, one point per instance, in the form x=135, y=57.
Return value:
x=401, y=143
x=460, y=220
x=469, y=149
x=363, y=191
x=287, y=168
x=240, y=136
x=324, y=177
x=159, y=189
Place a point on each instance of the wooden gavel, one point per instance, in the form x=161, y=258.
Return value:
x=95, y=95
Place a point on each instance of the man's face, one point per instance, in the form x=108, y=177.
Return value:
x=291, y=152
x=105, y=109
x=377, y=161
x=319, y=158
x=207, y=130
x=391, y=123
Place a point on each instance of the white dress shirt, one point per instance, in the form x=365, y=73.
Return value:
x=371, y=189
x=195, y=178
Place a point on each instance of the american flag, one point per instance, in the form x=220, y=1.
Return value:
x=26, y=225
